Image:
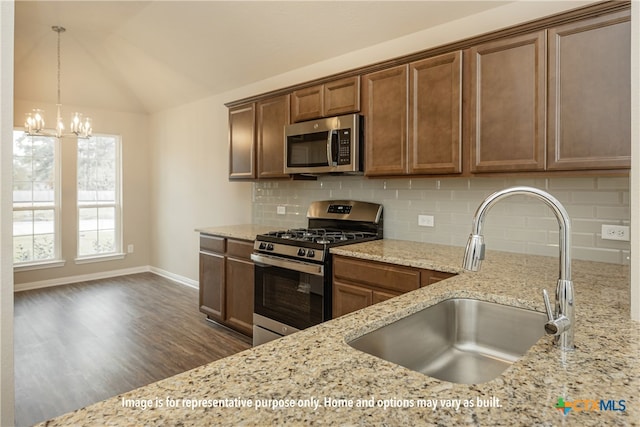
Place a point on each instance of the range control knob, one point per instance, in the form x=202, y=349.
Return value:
x=262, y=246
x=270, y=246
x=301, y=252
x=311, y=253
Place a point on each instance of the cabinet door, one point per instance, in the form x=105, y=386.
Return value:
x=239, y=295
x=212, y=285
x=429, y=277
x=307, y=104
x=348, y=298
x=589, y=87
x=507, y=104
x=241, y=142
x=385, y=104
x=435, y=108
x=379, y=296
x=273, y=116
x=342, y=96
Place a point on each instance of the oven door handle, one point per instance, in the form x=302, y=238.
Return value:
x=302, y=267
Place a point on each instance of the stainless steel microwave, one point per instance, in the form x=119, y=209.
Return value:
x=332, y=144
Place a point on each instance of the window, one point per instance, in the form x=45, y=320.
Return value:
x=99, y=206
x=36, y=203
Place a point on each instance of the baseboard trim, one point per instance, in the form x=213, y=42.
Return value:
x=175, y=277
x=80, y=278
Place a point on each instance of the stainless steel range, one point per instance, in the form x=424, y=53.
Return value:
x=293, y=267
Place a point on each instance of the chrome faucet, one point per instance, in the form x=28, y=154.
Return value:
x=561, y=321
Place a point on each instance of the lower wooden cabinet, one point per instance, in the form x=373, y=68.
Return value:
x=227, y=282
x=359, y=283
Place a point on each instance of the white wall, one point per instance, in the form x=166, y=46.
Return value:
x=6, y=249
x=189, y=157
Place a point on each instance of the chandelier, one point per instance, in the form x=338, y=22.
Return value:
x=79, y=127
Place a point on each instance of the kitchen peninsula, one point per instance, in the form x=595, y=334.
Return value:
x=326, y=382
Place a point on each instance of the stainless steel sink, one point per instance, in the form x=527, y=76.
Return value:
x=458, y=340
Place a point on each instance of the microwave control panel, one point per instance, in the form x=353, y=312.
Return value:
x=344, y=146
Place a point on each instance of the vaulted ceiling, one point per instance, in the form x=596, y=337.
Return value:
x=146, y=56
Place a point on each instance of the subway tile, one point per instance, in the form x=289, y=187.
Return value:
x=572, y=184
x=424, y=183
x=612, y=212
x=596, y=197
x=581, y=211
x=516, y=224
x=453, y=184
x=613, y=183
x=598, y=254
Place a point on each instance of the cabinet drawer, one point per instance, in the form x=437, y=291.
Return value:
x=381, y=275
x=239, y=248
x=212, y=243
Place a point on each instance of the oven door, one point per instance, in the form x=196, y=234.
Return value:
x=289, y=292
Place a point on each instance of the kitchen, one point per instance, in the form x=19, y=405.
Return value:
x=173, y=171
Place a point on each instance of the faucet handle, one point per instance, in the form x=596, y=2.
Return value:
x=547, y=304
x=554, y=326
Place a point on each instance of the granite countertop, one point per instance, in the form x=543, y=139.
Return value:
x=240, y=231
x=314, y=377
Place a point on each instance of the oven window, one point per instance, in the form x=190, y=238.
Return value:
x=289, y=297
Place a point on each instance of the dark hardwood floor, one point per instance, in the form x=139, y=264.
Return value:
x=81, y=343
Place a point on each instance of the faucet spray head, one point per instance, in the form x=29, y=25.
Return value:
x=474, y=253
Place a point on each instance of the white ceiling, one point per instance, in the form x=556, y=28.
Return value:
x=146, y=56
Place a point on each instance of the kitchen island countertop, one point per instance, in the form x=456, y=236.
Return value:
x=314, y=377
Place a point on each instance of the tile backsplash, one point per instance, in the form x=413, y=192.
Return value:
x=517, y=224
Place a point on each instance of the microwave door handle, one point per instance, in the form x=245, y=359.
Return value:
x=330, y=148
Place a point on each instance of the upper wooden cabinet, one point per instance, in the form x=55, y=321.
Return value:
x=385, y=107
x=329, y=99
x=413, y=117
x=242, y=121
x=589, y=94
x=435, y=115
x=256, y=139
x=273, y=116
x=506, y=91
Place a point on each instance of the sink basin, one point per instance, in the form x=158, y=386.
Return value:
x=458, y=340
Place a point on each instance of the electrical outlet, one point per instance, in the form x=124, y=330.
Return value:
x=281, y=210
x=130, y=249
x=615, y=232
x=425, y=221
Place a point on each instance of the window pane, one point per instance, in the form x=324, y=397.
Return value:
x=106, y=218
x=44, y=222
x=22, y=192
x=22, y=248
x=43, y=247
x=88, y=219
x=43, y=192
x=106, y=241
x=87, y=242
x=22, y=223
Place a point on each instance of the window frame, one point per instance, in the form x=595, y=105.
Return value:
x=118, y=253
x=57, y=260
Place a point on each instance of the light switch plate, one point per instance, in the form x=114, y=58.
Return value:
x=281, y=210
